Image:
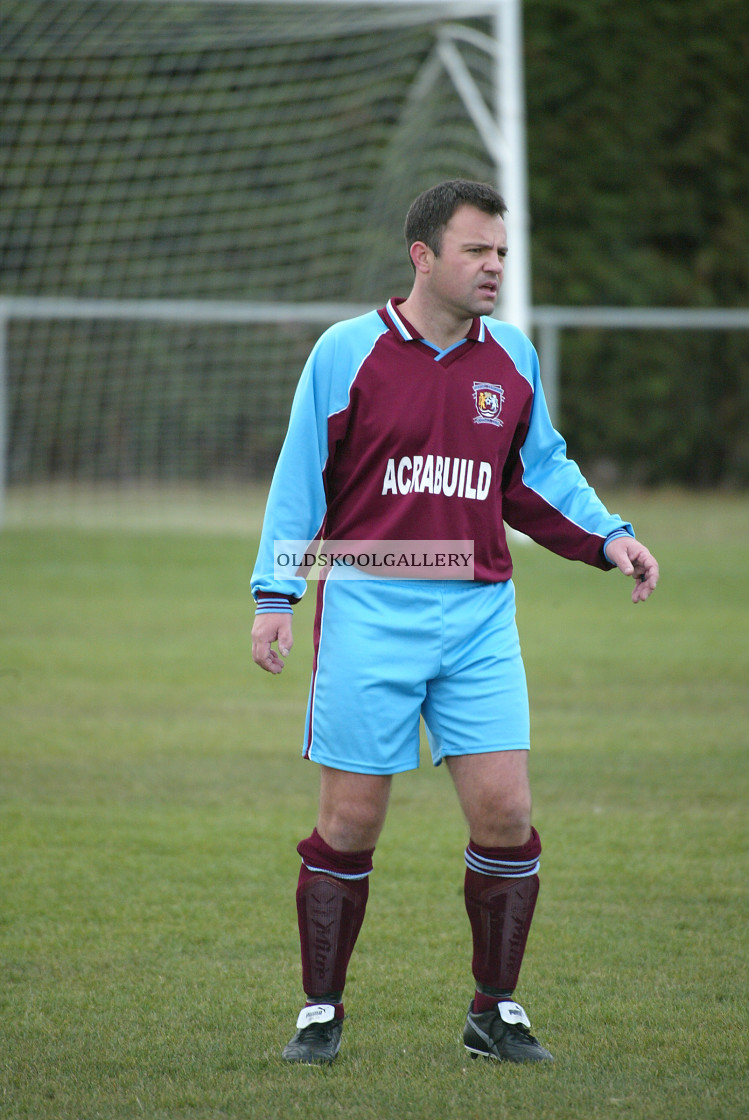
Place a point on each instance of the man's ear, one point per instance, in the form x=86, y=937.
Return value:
x=422, y=256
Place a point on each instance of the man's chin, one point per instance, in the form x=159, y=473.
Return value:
x=485, y=305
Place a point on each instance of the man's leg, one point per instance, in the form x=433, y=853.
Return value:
x=331, y=900
x=501, y=886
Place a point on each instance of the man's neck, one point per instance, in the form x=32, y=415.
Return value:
x=441, y=330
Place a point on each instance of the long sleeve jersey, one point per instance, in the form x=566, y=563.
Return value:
x=392, y=439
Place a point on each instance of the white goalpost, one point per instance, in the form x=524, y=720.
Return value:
x=193, y=190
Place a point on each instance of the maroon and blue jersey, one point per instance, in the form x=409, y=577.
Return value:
x=390, y=438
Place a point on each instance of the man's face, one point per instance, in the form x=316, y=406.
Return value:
x=466, y=276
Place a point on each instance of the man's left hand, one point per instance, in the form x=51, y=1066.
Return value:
x=633, y=559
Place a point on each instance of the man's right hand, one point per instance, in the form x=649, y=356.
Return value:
x=267, y=629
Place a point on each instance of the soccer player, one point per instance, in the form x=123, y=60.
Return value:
x=425, y=421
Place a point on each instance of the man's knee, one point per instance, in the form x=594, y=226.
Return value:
x=352, y=809
x=502, y=825
x=494, y=793
x=501, y=815
x=348, y=829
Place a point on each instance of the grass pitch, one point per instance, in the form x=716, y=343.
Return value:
x=152, y=796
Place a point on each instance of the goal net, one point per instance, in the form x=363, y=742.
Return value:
x=248, y=163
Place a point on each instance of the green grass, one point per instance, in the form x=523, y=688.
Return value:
x=152, y=796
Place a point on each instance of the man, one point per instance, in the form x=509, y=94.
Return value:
x=425, y=421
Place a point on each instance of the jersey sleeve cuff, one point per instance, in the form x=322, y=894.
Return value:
x=267, y=602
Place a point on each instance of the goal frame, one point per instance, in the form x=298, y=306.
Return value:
x=500, y=125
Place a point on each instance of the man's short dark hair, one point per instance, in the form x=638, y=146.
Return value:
x=432, y=210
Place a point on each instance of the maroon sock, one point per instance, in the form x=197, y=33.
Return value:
x=501, y=887
x=331, y=899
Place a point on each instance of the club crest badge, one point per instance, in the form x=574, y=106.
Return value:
x=488, y=400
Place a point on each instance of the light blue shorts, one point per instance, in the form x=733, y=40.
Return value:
x=389, y=651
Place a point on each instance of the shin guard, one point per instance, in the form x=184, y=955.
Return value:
x=331, y=900
x=501, y=887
